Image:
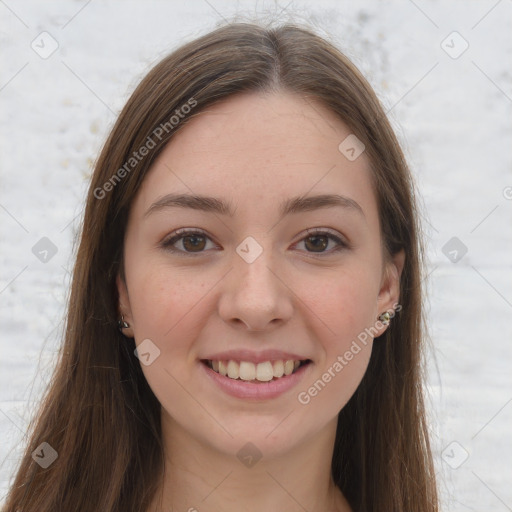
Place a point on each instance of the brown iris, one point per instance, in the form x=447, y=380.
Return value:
x=322, y=245
x=195, y=242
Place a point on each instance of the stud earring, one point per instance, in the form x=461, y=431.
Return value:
x=385, y=318
x=122, y=324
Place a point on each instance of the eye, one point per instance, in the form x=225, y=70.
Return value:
x=193, y=242
x=318, y=240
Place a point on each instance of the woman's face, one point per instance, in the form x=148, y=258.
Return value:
x=274, y=279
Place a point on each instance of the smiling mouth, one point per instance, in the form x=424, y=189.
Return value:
x=250, y=372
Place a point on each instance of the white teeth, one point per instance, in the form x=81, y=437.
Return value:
x=263, y=372
x=278, y=368
x=247, y=370
x=288, y=367
x=233, y=370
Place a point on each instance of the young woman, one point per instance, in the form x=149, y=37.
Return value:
x=245, y=323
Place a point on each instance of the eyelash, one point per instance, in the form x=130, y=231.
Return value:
x=183, y=233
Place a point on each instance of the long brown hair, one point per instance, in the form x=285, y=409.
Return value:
x=99, y=413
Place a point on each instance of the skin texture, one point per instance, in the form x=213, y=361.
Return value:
x=254, y=151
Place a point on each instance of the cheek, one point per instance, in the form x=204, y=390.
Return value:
x=346, y=306
x=162, y=300
x=345, y=302
x=334, y=384
x=166, y=310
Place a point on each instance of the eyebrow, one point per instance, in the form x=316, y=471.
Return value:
x=216, y=205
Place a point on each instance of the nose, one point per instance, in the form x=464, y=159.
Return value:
x=255, y=295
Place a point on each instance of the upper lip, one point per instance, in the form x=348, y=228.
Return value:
x=254, y=357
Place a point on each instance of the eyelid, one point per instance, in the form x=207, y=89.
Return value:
x=181, y=233
x=342, y=241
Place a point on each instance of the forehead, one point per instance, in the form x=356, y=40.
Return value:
x=256, y=149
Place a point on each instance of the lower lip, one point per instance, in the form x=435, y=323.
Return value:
x=256, y=391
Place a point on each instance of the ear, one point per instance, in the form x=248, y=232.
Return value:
x=124, y=306
x=389, y=293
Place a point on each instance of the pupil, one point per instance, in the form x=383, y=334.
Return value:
x=319, y=246
x=195, y=244
x=319, y=242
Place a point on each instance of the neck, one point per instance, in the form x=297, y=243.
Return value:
x=199, y=477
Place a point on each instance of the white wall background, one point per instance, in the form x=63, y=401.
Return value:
x=453, y=115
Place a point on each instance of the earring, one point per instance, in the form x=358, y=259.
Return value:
x=385, y=318
x=122, y=324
